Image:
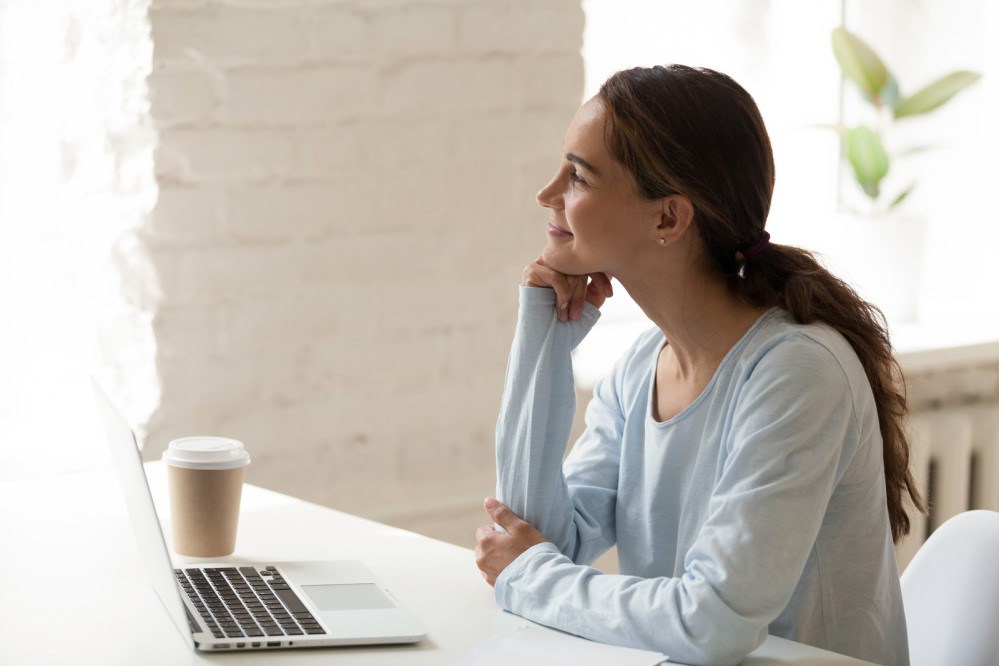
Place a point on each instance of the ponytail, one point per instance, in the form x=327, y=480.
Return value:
x=792, y=279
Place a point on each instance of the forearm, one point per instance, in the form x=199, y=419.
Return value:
x=682, y=617
x=536, y=415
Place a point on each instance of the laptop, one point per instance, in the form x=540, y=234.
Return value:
x=267, y=605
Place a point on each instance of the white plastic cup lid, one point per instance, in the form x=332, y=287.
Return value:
x=206, y=453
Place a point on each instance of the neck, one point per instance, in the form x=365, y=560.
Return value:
x=697, y=312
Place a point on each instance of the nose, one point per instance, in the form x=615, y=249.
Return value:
x=549, y=195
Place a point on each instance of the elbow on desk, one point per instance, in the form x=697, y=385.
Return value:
x=715, y=651
x=717, y=647
x=545, y=586
x=715, y=641
x=705, y=645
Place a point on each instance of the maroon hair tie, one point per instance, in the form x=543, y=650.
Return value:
x=758, y=247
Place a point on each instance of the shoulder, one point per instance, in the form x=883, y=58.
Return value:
x=811, y=358
x=801, y=387
x=781, y=339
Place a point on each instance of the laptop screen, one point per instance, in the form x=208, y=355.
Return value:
x=142, y=511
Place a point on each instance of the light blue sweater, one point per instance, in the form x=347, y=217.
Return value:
x=759, y=508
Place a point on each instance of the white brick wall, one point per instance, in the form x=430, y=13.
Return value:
x=346, y=201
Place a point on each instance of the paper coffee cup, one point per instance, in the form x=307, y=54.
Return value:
x=206, y=482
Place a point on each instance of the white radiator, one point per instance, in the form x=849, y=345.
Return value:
x=955, y=453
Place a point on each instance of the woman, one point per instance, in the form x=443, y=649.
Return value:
x=746, y=455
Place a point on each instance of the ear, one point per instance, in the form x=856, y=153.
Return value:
x=677, y=216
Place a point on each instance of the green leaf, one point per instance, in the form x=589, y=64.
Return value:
x=935, y=94
x=868, y=158
x=901, y=196
x=862, y=65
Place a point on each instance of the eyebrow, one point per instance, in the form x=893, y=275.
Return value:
x=576, y=159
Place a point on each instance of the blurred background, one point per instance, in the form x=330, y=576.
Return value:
x=301, y=223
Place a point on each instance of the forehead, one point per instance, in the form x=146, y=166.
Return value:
x=585, y=135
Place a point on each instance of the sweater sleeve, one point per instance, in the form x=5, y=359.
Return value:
x=785, y=450
x=534, y=424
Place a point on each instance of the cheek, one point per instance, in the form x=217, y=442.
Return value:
x=580, y=211
x=596, y=221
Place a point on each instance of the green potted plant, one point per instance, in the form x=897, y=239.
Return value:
x=863, y=145
x=886, y=265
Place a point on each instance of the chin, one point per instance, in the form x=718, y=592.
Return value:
x=565, y=261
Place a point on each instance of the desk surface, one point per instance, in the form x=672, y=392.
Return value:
x=58, y=559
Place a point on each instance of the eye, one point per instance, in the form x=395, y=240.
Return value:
x=575, y=178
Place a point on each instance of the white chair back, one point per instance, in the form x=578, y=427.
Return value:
x=951, y=593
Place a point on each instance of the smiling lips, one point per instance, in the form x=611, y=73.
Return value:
x=557, y=232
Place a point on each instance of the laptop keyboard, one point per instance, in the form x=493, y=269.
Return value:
x=246, y=601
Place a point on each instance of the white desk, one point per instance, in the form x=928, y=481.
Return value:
x=56, y=561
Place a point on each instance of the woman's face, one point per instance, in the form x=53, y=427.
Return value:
x=598, y=220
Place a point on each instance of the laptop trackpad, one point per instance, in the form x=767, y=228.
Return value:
x=361, y=596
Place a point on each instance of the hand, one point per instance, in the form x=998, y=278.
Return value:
x=496, y=550
x=570, y=290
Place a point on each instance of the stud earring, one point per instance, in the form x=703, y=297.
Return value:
x=662, y=241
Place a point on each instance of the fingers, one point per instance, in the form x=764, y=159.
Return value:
x=577, y=297
x=495, y=550
x=483, y=553
x=599, y=289
x=536, y=274
x=502, y=514
x=593, y=289
x=571, y=291
x=507, y=521
x=601, y=282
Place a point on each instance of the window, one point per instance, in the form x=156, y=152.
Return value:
x=780, y=51
x=76, y=175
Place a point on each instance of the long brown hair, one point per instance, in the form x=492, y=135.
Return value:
x=696, y=132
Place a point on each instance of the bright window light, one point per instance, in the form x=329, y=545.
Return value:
x=76, y=180
x=780, y=51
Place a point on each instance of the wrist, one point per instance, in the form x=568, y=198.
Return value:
x=517, y=567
